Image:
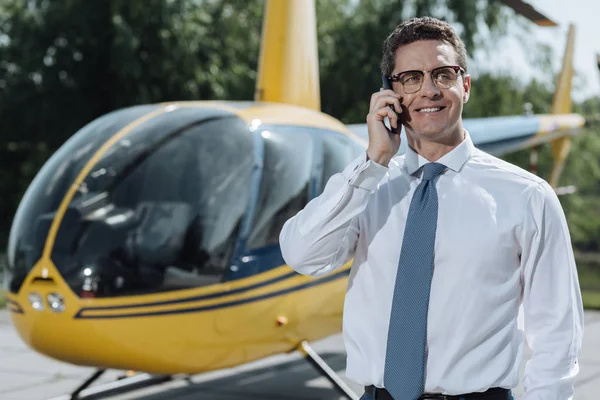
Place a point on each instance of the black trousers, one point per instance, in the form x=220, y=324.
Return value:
x=373, y=393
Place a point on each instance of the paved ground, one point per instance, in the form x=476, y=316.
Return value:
x=25, y=375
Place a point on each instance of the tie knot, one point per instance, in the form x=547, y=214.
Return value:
x=432, y=170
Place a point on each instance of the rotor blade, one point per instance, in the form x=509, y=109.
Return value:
x=529, y=12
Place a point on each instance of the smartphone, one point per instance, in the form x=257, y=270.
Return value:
x=388, y=85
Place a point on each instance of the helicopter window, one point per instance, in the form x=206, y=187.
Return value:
x=284, y=188
x=39, y=204
x=338, y=153
x=163, y=218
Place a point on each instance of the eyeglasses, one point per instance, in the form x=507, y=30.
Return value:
x=443, y=78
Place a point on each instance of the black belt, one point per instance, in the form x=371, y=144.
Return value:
x=490, y=394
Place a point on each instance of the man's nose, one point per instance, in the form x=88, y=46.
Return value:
x=429, y=89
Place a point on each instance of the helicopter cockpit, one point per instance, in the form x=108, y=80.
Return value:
x=159, y=209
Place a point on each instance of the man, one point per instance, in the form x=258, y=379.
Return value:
x=448, y=242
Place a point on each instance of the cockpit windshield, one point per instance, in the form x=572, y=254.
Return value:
x=160, y=210
x=44, y=195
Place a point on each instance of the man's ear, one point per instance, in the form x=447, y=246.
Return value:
x=466, y=88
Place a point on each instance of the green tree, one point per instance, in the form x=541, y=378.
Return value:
x=65, y=63
x=493, y=96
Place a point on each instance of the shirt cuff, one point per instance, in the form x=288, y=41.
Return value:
x=365, y=174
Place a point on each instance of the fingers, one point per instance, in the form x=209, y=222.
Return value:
x=385, y=101
x=380, y=113
x=383, y=93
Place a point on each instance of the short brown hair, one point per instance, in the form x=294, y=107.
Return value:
x=415, y=29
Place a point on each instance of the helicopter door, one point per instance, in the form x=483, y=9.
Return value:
x=285, y=188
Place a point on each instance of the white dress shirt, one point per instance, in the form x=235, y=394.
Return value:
x=502, y=241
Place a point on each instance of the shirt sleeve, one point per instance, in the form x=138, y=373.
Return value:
x=553, y=310
x=322, y=236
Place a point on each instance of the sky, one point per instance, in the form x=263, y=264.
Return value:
x=584, y=14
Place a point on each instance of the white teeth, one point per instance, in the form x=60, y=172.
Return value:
x=430, y=109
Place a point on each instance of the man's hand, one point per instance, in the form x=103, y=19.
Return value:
x=383, y=143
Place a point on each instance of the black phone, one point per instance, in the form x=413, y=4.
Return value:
x=387, y=84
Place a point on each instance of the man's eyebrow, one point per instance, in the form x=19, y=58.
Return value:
x=422, y=69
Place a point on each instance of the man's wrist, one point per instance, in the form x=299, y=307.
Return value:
x=380, y=159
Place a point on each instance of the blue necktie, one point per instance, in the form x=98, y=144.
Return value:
x=404, y=375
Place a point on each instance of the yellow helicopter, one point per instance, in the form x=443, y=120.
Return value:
x=149, y=240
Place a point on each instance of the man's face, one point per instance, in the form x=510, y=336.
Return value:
x=431, y=113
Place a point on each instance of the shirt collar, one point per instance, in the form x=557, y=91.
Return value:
x=454, y=160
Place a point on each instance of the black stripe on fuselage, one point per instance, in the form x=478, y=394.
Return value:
x=14, y=307
x=233, y=303
x=192, y=299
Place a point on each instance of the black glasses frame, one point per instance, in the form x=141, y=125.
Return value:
x=396, y=77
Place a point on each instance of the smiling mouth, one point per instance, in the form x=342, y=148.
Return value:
x=430, y=110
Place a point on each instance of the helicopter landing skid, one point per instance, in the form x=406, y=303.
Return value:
x=120, y=385
x=136, y=381
x=320, y=364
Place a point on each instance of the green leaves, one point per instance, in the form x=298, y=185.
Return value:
x=65, y=63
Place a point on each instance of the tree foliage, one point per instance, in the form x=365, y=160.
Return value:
x=64, y=63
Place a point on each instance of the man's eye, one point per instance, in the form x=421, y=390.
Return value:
x=412, y=79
